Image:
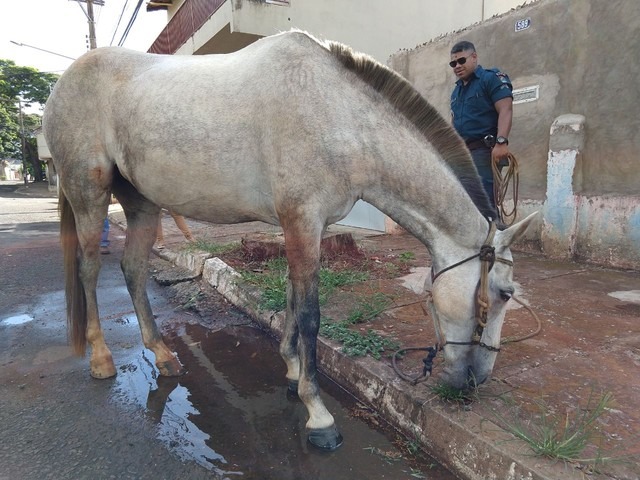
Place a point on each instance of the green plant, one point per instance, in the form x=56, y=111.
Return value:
x=201, y=245
x=563, y=437
x=369, y=308
x=356, y=344
x=452, y=394
x=407, y=256
x=273, y=282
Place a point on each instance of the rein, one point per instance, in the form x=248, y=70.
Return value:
x=501, y=187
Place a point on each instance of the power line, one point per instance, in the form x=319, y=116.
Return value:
x=119, y=19
x=130, y=24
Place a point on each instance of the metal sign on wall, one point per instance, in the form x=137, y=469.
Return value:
x=526, y=94
x=523, y=24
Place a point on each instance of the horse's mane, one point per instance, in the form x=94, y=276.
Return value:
x=407, y=100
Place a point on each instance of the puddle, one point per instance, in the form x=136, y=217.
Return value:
x=632, y=296
x=17, y=319
x=230, y=414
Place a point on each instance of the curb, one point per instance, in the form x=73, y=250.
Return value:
x=469, y=445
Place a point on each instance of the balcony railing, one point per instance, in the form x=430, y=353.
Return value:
x=186, y=21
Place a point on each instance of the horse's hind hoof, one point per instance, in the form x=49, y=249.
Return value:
x=325, y=438
x=102, y=368
x=170, y=368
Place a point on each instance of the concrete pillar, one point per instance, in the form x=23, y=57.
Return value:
x=560, y=211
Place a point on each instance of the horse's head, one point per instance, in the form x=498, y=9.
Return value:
x=468, y=310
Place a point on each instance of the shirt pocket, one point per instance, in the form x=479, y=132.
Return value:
x=478, y=104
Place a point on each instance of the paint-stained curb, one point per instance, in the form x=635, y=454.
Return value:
x=471, y=446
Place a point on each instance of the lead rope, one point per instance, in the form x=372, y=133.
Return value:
x=501, y=179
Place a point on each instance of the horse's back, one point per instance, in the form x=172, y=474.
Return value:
x=222, y=128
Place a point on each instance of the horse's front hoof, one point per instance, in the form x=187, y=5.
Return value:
x=325, y=438
x=171, y=368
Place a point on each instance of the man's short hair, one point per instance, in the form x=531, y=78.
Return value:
x=462, y=46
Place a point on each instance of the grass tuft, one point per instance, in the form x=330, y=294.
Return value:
x=563, y=437
x=200, y=245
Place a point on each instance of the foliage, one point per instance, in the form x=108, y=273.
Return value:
x=23, y=86
x=273, y=282
x=202, y=245
x=369, y=308
x=562, y=437
x=354, y=343
x=448, y=393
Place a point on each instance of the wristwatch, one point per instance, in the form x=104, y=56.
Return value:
x=502, y=141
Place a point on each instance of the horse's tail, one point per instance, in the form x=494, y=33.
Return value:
x=76, y=301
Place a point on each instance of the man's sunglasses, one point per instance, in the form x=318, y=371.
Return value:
x=459, y=61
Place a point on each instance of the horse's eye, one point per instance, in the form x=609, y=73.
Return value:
x=506, y=294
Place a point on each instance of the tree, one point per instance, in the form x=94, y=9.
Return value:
x=20, y=87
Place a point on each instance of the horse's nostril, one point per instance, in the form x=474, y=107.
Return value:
x=506, y=294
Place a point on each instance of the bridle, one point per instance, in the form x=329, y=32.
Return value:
x=488, y=258
x=487, y=255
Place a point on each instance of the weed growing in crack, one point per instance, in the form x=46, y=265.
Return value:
x=563, y=437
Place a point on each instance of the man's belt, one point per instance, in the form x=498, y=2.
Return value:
x=475, y=144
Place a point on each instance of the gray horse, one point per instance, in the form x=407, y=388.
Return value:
x=290, y=131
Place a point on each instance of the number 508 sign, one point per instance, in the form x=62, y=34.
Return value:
x=523, y=24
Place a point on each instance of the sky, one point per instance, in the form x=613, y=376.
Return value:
x=60, y=26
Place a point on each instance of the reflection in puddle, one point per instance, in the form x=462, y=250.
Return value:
x=17, y=319
x=167, y=403
x=230, y=414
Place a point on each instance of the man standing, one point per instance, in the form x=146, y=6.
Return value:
x=481, y=109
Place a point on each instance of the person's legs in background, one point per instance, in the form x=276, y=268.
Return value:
x=160, y=235
x=182, y=225
x=104, y=239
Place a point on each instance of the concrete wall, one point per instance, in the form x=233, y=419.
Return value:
x=582, y=58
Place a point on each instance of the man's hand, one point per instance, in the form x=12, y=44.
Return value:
x=499, y=152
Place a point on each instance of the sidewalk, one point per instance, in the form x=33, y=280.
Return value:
x=589, y=345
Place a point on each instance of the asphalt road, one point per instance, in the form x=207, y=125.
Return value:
x=56, y=422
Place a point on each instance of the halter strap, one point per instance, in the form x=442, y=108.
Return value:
x=488, y=258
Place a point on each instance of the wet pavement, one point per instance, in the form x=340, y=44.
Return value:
x=588, y=346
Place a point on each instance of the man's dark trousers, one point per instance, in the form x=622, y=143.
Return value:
x=482, y=159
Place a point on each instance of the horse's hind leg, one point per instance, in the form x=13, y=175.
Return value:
x=90, y=209
x=142, y=223
x=302, y=239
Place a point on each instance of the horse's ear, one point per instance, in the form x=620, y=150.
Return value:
x=514, y=233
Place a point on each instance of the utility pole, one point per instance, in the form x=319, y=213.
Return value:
x=92, y=25
x=90, y=18
x=23, y=144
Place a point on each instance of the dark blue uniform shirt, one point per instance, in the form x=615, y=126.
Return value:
x=472, y=105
